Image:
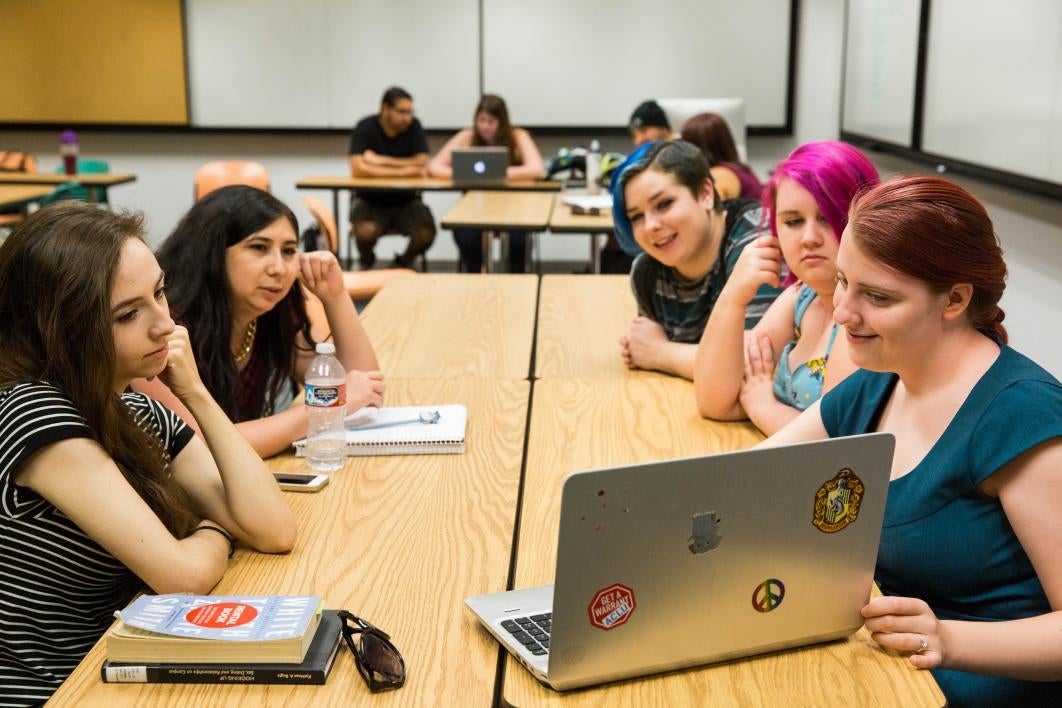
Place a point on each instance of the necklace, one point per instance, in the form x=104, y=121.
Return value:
x=244, y=353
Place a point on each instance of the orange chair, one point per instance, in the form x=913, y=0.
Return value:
x=15, y=161
x=362, y=284
x=222, y=173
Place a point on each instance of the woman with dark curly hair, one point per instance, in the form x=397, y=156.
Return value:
x=236, y=281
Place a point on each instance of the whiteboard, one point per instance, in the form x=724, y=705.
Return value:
x=326, y=63
x=994, y=85
x=881, y=60
x=590, y=62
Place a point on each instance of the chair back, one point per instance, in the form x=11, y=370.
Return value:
x=222, y=173
x=680, y=110
x=17, y=161
x=326, y=221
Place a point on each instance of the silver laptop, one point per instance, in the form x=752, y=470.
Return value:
x=677, y=563
x=479, y=165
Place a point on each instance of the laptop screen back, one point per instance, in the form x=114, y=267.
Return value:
x=480, y=164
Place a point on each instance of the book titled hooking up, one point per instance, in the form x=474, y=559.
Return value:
x=230, y=618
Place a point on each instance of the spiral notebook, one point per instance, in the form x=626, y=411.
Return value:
x=398, y=430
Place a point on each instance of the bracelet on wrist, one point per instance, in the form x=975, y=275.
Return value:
x=223, y=532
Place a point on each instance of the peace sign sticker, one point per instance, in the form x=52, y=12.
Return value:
x=768, y=595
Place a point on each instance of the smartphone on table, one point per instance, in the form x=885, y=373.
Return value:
x=294, y=482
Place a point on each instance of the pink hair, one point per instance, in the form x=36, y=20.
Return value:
x=833, y=172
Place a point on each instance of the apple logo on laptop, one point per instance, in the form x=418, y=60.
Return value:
x=479, y=167
x=705, y=536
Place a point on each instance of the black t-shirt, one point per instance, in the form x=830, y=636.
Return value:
x=368, y=134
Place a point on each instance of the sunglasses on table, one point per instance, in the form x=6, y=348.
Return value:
x=379, y=661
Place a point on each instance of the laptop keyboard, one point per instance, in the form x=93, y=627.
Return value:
x=532, y=632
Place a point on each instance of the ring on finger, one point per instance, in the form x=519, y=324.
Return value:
x=923, y=644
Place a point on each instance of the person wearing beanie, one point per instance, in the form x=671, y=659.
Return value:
x=648, y=123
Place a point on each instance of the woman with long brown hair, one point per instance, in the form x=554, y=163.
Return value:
x=970, y=561
x=733, y=178
x=491, y=128
x=103, y=490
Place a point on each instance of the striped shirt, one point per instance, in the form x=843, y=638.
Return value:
x=682, y=307
x=58, y=587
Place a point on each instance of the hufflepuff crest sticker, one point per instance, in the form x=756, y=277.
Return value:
x=837, y=502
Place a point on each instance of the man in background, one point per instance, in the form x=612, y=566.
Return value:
x=390, y=144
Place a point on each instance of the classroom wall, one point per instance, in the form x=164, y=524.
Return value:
x=1029, y=227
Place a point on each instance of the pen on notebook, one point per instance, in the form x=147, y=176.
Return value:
x=425, y=417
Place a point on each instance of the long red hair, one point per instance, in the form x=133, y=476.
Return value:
x=935, y=231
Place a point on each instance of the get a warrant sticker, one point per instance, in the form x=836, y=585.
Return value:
x=611, y=606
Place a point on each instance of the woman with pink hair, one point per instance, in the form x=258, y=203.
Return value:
x=792, y=356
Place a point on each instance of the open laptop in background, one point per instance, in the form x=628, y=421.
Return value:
x=479, y=166
x=671, y=564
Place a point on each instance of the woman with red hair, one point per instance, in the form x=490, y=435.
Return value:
x=970, y=560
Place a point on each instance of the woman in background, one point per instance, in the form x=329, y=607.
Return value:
x=970, y=559
x=235, y=280
x=665, y=207
x=491, y=128
x=806, y=203
x=104, y=490
x=712, y=135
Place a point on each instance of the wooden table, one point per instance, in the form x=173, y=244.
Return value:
x=92, y=181
x=417, y=184
x=400, y=541
x=585, y=423
x=563, y=221
x=499, y=212
x=446, y=326
x=580, y=321
x=19, y=194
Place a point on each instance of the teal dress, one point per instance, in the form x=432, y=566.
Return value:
x=944, y=542
x=802, y=386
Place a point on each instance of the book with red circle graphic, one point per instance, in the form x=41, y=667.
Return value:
x=204, y=628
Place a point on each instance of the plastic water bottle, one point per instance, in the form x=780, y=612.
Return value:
x=593, y=168
x=326, y=406
x=68, y=149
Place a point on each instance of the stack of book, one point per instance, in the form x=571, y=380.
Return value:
x=216, y=639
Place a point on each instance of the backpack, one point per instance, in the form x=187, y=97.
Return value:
x=314, y=239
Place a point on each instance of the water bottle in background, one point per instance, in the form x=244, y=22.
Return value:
x=593, y=168
x=326, y=406
x=68, y=149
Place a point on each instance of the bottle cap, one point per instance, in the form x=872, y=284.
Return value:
x=68, y=136
x=326, y=348
x=595, y=146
